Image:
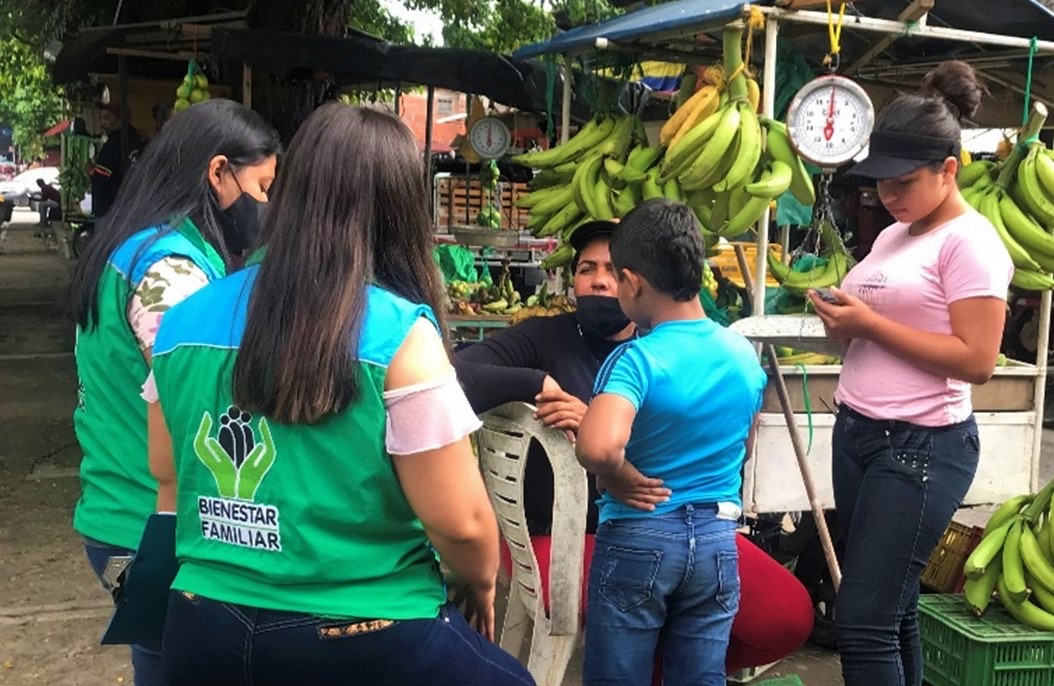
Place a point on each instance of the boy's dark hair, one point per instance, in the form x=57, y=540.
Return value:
x=661, y=240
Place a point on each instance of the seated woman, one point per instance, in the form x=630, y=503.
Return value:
x=552, y=362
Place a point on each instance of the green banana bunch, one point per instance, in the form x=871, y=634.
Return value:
x=558, y=258
x=1035, y=185
x=1014, y=558
x=1017, y=198
x=773, y=182
x=588, y=137
x=826, y=275
x=989, y=206
x=778, y=147
x=748, y=150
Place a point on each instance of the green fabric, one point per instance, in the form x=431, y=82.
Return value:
x=118, y=492
x=790, y=212
x=456, y=262
x=313, y=520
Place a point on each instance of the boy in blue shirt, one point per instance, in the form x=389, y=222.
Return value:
x=678, y=405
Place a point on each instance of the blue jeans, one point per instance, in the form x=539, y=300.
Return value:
x=146, y=658
x=896, y=487
x=210, y=642
x=674, y=575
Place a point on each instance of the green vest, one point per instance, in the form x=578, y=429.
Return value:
x=118, y=492
x=289, y=517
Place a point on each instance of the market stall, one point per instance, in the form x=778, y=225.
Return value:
x=896, y=39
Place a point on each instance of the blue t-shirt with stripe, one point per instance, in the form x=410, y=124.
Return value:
x=696, y=387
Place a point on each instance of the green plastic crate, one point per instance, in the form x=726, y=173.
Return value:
x=995, y=649
x=782, y=681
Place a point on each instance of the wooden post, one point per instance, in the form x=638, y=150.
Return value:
x=247, y=84
x=122, y=82
x=565, y=109
x=398, y=93
x=429, y=117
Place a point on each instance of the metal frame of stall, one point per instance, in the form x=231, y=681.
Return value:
x=913, y=23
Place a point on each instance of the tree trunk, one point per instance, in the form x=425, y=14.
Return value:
x=287, y=103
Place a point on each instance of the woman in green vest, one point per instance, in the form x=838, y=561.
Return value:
x=183, y=216
x=314, y=440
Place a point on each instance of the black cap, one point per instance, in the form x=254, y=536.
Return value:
x=590, y=230
x=895, y=153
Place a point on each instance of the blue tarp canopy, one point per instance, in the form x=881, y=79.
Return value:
x=676, y=24
x=689, y=31
x=682, y=16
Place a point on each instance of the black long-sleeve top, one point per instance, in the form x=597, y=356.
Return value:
x=511, y=365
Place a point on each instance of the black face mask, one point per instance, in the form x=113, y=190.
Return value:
x=241, y=223
x=600, y=315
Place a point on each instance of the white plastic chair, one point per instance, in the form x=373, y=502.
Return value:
x=503, y=443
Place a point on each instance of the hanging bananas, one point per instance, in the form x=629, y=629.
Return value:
x=1016, y=196
x=715, y=154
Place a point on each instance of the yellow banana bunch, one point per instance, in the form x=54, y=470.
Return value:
x=722, y=146
x=1014, y=558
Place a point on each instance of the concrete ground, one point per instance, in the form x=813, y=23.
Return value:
x=52, y=611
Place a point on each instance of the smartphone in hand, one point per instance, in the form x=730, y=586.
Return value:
x=827, y=296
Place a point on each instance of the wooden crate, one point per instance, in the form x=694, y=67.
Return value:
x=458, y=201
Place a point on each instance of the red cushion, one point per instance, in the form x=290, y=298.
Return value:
x=542, y=546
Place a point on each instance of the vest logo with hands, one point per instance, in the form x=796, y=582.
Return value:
x=238, y=457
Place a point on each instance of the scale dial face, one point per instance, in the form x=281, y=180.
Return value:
x=490, y=138
x=829, y=120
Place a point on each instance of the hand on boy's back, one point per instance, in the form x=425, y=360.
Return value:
x=630, y=487
x=559, y=409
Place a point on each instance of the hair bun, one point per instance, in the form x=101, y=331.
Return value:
x=957, y=84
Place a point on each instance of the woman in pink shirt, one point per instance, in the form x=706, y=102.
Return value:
x=923, y=316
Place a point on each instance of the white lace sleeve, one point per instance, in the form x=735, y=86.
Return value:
x=167, y=282
x=427, y=416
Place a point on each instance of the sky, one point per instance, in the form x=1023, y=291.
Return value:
x=424, y=23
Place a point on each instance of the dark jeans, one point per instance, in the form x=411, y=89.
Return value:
x=209, y=642
x=673, y=575
x=146, y=658
x=896, y=487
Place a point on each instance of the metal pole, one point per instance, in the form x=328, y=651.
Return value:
x=901, y=28
x=398, y=93
x=565, y=104
x=768, y=94
x=429, y=117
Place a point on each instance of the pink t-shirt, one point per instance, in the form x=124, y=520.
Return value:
x=912, y=280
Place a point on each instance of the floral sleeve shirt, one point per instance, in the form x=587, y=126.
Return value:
x=166, y=283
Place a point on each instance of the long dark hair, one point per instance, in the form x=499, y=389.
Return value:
x=349, y=208
x=170, y=182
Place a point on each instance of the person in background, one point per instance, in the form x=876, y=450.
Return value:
x=172, y=229
x=553, y=362
x=50, y=203
x=111, y=165
x=308, y=433
x=663, y=409
x=923, y=315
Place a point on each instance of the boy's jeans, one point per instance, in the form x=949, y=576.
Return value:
x=674, y=575
x=896, y=487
